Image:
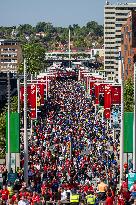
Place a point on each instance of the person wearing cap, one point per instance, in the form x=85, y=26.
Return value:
x=90, y=198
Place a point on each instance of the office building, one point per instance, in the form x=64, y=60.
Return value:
x=115, y=15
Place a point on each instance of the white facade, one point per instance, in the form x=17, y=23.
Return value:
x=114, y=17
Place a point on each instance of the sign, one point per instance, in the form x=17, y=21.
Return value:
x=131, y=179
x=14, y=133
x=12, y=177
x=128, y=132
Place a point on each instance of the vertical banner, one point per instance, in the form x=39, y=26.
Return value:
x=116, y=95
x=14, y=132
x=128, y=132
x=97, y=94
x=107, y=101
x=91, y=87
x=21, y=95
x=33, y=101
x=102, y=88
x=28, y=95
x=40, y=89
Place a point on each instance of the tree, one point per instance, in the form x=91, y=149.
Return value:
x=129, y=95
x=34, y=55
x=25, y=29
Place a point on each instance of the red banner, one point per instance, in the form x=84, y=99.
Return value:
x=28, y=95
x=102, y=88
x=107, y=101
x=22, y=94
x=116, y=95
x=33, y=104
x=40, y=87
x=107, y=113
x=91, y=87
x=97, y=94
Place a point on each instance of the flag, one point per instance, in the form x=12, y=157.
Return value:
x=107, y=113
x=116, y=95
x=32, y=99
x=107, y=101
x=40, y=89
x=107, y=97
x=102, y=88
x=91, y=87
x=21, y=94
x=97, y=94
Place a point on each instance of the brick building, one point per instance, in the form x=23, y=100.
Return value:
x=10, y=55
x=128, y=44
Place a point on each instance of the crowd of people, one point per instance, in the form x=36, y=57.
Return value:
x=71, y=150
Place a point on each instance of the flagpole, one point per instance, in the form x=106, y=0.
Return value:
x=134, y=122
x=25, y=126
x=9, y=154
x=122, y=124
x=69, y=48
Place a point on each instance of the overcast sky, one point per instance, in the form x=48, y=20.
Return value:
x=58, y=12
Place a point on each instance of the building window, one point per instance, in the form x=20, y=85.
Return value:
x=120, y=19
x=109, y=17
x=109, y=12
x=118, y=25
x=109, y=23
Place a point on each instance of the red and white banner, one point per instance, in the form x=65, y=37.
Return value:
x=40, y=90
x=107, y=101
x=102, y=88
x=116, y=95
x=22, y=95
x=97, y=86
x=33, y=101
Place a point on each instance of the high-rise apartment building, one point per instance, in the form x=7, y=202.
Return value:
x=10, y=55
x=115, y=15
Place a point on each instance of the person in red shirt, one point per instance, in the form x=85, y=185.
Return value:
x=121, y=201
x=15, y=197
x=109, y=199
x=35, y=198
x=5, y=193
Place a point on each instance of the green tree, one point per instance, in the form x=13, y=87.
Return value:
x=129, y=95
x=34, y=55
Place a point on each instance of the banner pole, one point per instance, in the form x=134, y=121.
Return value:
x=134, y=123
x=25, y=126
x=122, y=125
x=9, y=154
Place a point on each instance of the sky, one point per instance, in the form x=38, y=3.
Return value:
x=58, y=12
